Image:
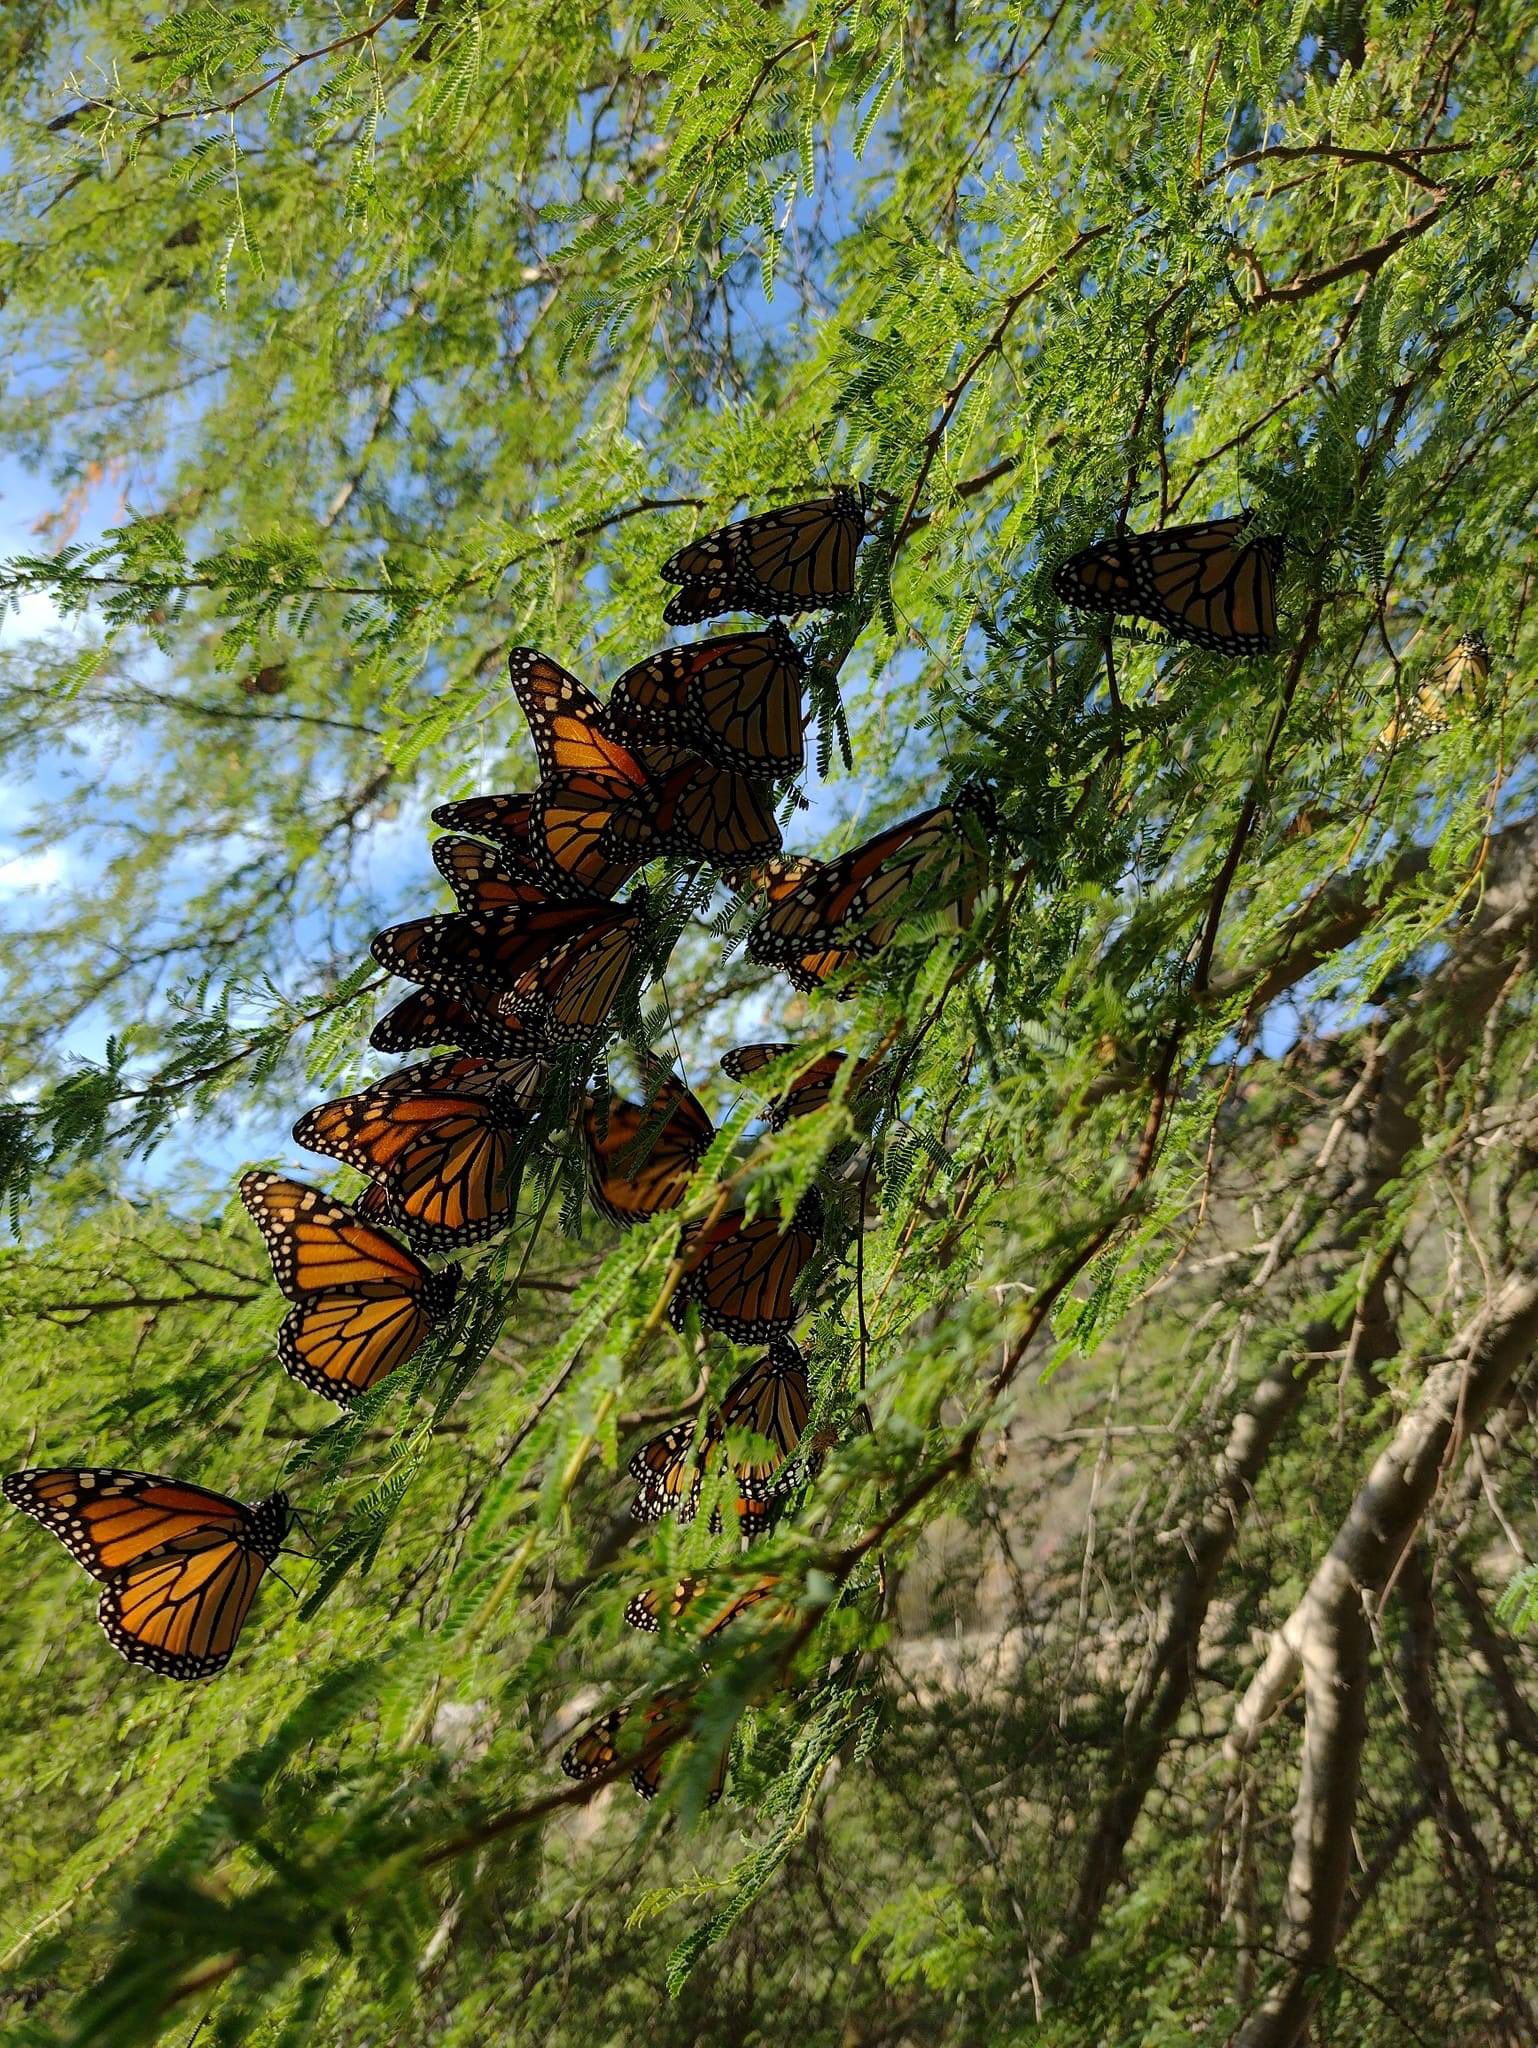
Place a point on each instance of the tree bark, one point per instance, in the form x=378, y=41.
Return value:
x=1327, y=1639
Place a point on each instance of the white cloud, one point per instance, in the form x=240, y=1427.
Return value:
x=43, y=870
x=33, y=616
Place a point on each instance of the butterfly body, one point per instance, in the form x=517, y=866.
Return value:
x=178, y=1564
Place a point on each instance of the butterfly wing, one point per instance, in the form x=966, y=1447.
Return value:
x=181, y=1613
x=568, y=996
x=704, y=811
x=669, y=1479
x=1206, y=582
x=505, y=818
x=809, y=1091
x=770, y=1401
x=736, y=698
x=107, y=1519
x=441, y=1137
x=741, y=1275
x=850, y=905
x=642, y=1155
x=594, y=1753
x=777, y=563
x=591, y=815
x=482, y=879
x=667, y=1722
x=363, y=1302
x=467, y=1019
x=644, y=1608
x=179, y=1564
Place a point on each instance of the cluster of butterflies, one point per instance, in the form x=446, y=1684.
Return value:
x=523, y=980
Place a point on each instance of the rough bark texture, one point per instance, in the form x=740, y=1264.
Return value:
x=1327, y=1640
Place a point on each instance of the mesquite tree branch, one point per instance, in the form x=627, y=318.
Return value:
x=1327, y=1640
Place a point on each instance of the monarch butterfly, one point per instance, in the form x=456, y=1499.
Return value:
x=704, y=811
x=468, y=1019
x=642, y=1156
x=736, y=698
x=179, y=1565
x=740, y=1275
x=596, y=1751
x=776, y=880
x=776, y=564
x=363, y=1303
x=809, y=1091
x=557, y=968
x=1457, y=686
x=440, y=1140
x=771, y=1400
x=601, y=809
x=507, y=820
x=1205, y=583
x=643, y=1610
x=591, y=819
x=851, y=906
x=482, y=879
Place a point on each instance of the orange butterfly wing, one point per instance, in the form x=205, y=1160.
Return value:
x=179, y=1565
x=737, y=699
x=740, y=1275
x=441, y=1137
x=643, y=1155
x=1205, y=582
x=591, y=817
x=364, y=1304
x=776, y=563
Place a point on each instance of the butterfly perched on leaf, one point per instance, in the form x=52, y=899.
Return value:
x=179, y=1565
x=833, y=911
x=1456, y=689
x=641, y=1156
x=441, y=1140
x=598, y=1752
x=553, y=970
x=1212, y=583
x=770, y=1403
x=776, y=563
x=363, y=1304
x=810, y=1090
x=735, y=699
x=740, y=1276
